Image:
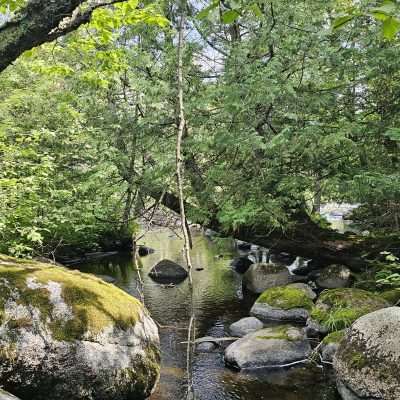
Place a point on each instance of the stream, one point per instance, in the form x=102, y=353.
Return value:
x=219, y=301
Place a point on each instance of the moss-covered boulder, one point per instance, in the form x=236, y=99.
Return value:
x=283, y=303
x=73, y=336
x=367, y=361
x=337, y=309
x=273, y=347
x=262, y=276
x=392, y=296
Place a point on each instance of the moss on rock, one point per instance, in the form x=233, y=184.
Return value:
x=95, y=304
x=334, y=337
x=286, y=298
x=391, y=296
x=337, y=309
x=280, y=332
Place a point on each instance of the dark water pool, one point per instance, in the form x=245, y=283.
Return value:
x=219, y=301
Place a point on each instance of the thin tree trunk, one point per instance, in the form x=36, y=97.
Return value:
x=179, y=140
x=180, y=183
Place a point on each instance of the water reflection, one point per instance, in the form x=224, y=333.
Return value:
x=219, y=301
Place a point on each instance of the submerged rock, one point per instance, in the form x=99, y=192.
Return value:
x=284, y=303
x=167, y=271
x=262, y=276
x=208, y=345
x=73, y=336
x=367, y=361
x=334, y=276
x=268, y=348
x=337, y=309
x=245, y=326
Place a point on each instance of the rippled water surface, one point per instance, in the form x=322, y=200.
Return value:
x=219, y=301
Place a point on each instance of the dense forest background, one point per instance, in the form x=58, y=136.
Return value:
x=283, y=113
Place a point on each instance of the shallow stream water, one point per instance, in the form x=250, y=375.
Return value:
x=219, y=301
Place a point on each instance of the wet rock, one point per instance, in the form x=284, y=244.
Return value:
x=245, y=326
x=282, y=258
x=244, y=246
x=337, y=309
x=314, y=329
x=262, y=276
x=300, y=266
x=145, y=251
x=206, y=346
x=241, y=264
x=284, y=304
x=269, y=347
x=167, y=271
x=330, y=345
x=7, y=396
x=334, y=276
x=368, y=358
x=72, y=335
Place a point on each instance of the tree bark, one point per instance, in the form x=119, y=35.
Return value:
x=42, y=21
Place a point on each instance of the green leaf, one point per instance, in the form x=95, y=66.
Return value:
x=256, y=10
x=206, y=11
x=388, y=7
x=390, y=28
x=230, y=16
x=340, y=21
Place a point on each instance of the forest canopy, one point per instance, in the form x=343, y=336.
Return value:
x=288, y=105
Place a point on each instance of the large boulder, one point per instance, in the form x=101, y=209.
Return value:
x=283, y=303
x=262, y=276
x=334, y=276
x=272, y=347
x=167, y=271
x=337, y=309
x=73, y=336
x=244, y=326
x=367, y=361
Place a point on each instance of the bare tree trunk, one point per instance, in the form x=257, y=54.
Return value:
x=179, y=140
x=180, y=183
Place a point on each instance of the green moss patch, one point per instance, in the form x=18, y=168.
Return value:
x=334, y=337
x=95, y=304
x=391, y=296
x=286, y=298
x=337, y=309
x=277, y=332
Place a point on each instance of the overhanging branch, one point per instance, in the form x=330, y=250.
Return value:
x=42, y=21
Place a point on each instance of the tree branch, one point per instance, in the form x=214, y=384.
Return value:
x=42, y=21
